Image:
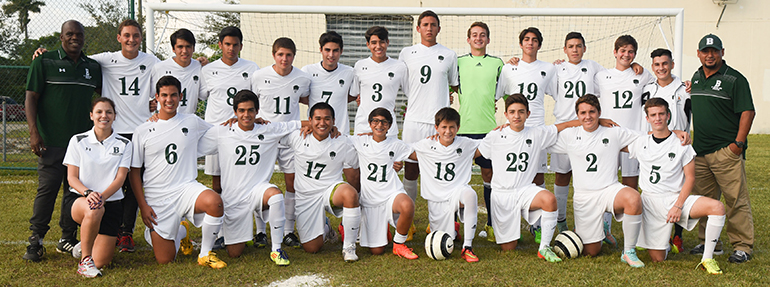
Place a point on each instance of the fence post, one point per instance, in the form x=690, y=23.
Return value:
x=5, y=130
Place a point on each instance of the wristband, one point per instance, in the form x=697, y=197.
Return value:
x=87, y=192
x=680, y=208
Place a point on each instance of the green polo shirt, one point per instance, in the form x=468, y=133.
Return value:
x=66, y=89
x=717, y=104
x=478, y=80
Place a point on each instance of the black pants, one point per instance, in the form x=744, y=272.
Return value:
x=130, y=206
x=51, y=175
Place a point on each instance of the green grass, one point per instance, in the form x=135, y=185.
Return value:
x=520, y=267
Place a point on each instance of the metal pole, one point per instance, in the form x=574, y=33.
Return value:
x=131, y=12
x=5, y=130
x=679, y=43
x=150, y=28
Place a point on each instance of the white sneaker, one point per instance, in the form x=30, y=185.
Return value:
x=330, y=237
x=88, y=269
x=349, y=254
x=77, y=252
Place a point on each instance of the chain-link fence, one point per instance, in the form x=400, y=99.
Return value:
x=26, y=25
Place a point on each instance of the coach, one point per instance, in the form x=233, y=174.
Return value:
x=60, y=85
x=722, y=111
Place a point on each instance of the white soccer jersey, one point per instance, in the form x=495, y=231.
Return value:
x=594, y=155
x=189, y=76
x=620, y=95
x=319, y=164
x=168, y=150
x=675, y=94
x=247, y=158
x=332, y=87
x=514, y=155
x=279, y=95
x=661, y=164
x=377, y=84
x=444, y=168
x=533, y=80
x=573, y=81
x=127, y=82
x=431, y=71
x=98, y=162
x=220, y=84
x=379, y=181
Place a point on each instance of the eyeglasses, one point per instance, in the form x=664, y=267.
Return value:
x=378, y=121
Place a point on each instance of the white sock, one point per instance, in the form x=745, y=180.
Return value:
x=276, y=216
x=410, y=186
x=351, y=221
x=562, y=194
x=631, y=226
x=399, y=238
x=261, y=225
x=470, y=215
x=288, y=203
x=608, y=220
x=714, y=226
x=548, y=219
x=211, y=226
x=180, y=234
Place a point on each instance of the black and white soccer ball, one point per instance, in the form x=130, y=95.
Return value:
x=568, y=245
x=439, y=245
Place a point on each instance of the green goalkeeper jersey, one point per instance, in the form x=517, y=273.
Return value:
x=478, y=80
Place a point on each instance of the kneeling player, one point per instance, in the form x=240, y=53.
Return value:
x=446, y=168
x=168, y=151
x=383, y=199
x=319, y=161
x=666, y=191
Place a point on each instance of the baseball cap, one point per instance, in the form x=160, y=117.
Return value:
x=710, y=41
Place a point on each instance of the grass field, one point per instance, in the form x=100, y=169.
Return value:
x=521, y=267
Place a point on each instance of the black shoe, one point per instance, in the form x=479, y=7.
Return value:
x=739, y=256
x=260, y=240
x=698, y=249
x=219, y=244
x=35, y=250
x=291, y=240
x=66, y=245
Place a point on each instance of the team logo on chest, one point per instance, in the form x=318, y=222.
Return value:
x=87, y=75
x=584, y=70
x=606, y=141
x=332, y=155
x=717, y=86
x=459, y=151
x=636, y=82
x=391, y=75
x=184, y=131
x=440, y=58
x=142, y=68
x=342, y=82
x=391, y=154
x=261, y=137
x=245, y=75
x=542, y=73
x=195, y=79
x=529, y=142
x=116, y=151
x=671, y=156
x=295, y=88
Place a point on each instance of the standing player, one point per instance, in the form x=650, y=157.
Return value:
x=478, y=74
x=377, y=81
x=670, y=88
x=279, y=89
x=168, y=150
x=446, y=163
x=382, y=193
x=431, y=70
x=331, y=81
x=321, y=160
x=184, y=68
x=666, y=192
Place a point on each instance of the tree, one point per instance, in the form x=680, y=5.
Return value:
x=23, y=8
x=215, y=22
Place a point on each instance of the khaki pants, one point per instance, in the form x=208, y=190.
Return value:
x=724, y=173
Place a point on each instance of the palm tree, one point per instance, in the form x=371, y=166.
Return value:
x=23, y=8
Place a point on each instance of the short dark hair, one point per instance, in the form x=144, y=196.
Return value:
x=381, y=112
x=379, y=31
x=183, y=34
x=168, y=81
x=320, y=106
x=231, y=31
x=626, y=40
x=532, y=30
x=129, y=22
x=284, y=42
x=447, y=114
x=574, y=35
x=478, y=24
x=590, y=99
x=105, y=100
x=428, y=13
x=656, y=102
x=661, y=52
x=245, y=96
x=516, y=98
x=330, y=36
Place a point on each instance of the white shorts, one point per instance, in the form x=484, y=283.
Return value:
x=655, y=231
x=309, y=212
x=171, y=211
x=238, y=223
x=560, y=163
x=212, y=165
x=542, y=162
x=375, y=221
x=508, y=208
x=589, y=208
x=415, y=131
x=629, y=167
x=286, y=160
x=441, y=214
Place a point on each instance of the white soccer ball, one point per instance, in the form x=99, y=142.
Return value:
x=439, y=245
x=568, y=245
x=77, y=252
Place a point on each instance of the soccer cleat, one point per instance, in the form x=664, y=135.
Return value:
x=219, y=243
x=629, y=256
x=260, y=240
x=291, y=240
x=185, y=246
x=468, y=255
x=279, y=257
x=548, y=255
x=126, y=243
x=341, y=230
x=698, y=250
x=739, y=256
x=77, y=252
x=87, y=268
x=710, y=265
x=427, y=229
x=402, y=251
x=536, y=232
x=561, y=226
x=331, y=236
x=35, y=250
x=608, y=238
x=675, y=249
x=212, y=261
x=66, y=245
x=410, y=233
x=349, y=254
x=490, y=233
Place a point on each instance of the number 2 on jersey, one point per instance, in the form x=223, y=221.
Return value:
x=577, y=89
x=253, y=156
x=591, y=159
x=627, y=96
x=523, y=157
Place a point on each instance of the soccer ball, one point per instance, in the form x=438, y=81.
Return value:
x=568, y=245
x=439, y=245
